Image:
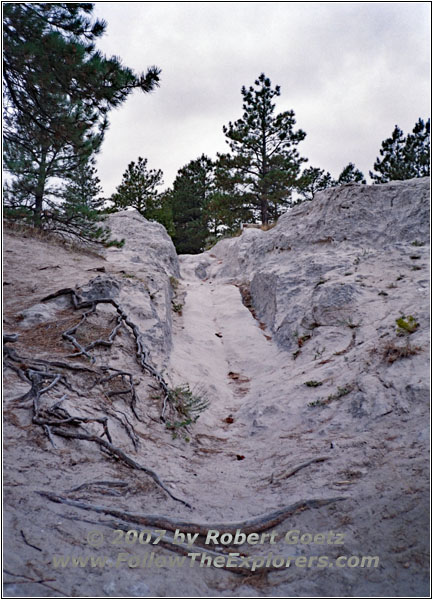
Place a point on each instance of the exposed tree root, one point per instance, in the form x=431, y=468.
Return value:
x=142, y=354
x=119, y=454
x=28, y=543
x=54, y=419
x=28, y=579
x=253, y=525
x=294, y=470
x=129, y=390
x=89, y=484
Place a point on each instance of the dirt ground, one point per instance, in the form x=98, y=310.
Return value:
x=266, y=441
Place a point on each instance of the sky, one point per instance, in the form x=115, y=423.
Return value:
x=351, y=71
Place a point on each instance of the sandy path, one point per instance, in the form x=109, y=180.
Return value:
x=233, y=370
x=218, y=346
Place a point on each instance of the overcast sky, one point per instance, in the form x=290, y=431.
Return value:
x=349, y=70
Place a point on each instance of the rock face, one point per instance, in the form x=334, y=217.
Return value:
x=310, y=342
x=330, y=280
x=139, y=276
x=316, y=267
x=149, y=264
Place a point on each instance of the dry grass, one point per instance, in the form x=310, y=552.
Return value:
x=48, y=336
x=268, y=226
x=27, y=231
x=392, y=351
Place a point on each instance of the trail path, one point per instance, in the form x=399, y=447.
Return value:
x=221, y=350
x=219, y=346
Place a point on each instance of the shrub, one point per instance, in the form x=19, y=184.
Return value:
x=406, y=325
x=188, y=406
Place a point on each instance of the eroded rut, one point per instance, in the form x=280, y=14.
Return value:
x=218, y=345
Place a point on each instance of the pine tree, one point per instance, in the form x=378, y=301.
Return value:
x=404, y=157
x=311, y=181
x=417, y=149
x=35, y=156
x=263, y=145
x=164, y=212
x=350, y=174
x=138, y=189
x=58, y=92
x=227, y=207
x=189, y=197
x=81, y=214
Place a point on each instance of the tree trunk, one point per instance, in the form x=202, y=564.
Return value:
x=39, y=191
x=264, y=210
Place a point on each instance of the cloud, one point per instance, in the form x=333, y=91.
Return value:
x=349, y=70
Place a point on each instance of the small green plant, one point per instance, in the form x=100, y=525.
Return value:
x=296, y=354
x=318, y=352
x=115, y=243
x=177, y=307
x=313, y=383
x=302, y=339
x=417, y=243
x=341, y=391
x=174, y=283
x=316, y=403
x=406, y=325
x=188, y=406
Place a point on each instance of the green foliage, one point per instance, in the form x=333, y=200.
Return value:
x=138, y=190
x=58, y=92
x=313, y=383
x=81, y=213
x=316, y=403
x=404, y=157
x=318, y=352
x=163, y=213
x=226, y=207
x=350, y=174
x=264, y=163
x=302, y=339
x=189, y=198
x=341, y=391
x=177, y=307
x=188, y=406
x=174, y=282
x=406, y=325
x=311, y=181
